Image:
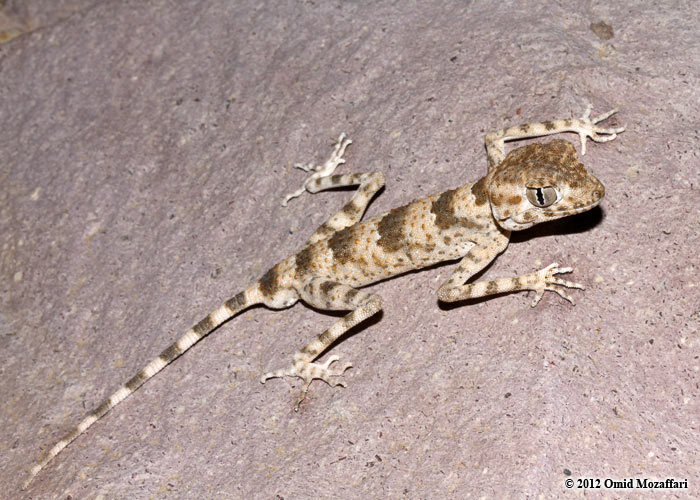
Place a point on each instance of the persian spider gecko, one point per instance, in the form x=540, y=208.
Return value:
x=529, y=185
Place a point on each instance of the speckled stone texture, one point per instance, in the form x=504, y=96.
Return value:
x=145, y=151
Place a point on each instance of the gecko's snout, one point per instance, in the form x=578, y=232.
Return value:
x=594, y=190
x=599, y=191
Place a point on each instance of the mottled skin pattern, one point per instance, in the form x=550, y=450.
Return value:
x=532, y=184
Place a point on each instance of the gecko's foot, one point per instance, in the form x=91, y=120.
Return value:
x=544, y=279
x=308, y=371
x=588, y=128
x=324, y=170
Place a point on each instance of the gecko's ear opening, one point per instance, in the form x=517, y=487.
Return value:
x=541, y=197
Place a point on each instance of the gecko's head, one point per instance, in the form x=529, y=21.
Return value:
x=541, y=182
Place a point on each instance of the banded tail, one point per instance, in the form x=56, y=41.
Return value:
x=226, y=311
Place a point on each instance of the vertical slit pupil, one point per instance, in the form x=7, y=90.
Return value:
x=540, y=196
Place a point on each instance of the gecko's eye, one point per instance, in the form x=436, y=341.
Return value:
x=541, y=196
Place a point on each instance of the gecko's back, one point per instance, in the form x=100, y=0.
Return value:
x=424, y=232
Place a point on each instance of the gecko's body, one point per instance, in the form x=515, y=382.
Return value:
x=532, y=184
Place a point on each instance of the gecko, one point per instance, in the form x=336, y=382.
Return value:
x=531, y=184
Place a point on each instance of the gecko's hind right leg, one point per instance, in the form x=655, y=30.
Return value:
x=332, y=296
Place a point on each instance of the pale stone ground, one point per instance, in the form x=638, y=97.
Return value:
x=144, y=152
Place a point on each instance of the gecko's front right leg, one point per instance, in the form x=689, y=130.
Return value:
x=485, y=250
x=539, y=282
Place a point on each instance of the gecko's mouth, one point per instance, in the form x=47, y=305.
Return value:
x=576, y=210
x=529, y=218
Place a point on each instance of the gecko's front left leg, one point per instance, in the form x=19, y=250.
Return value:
x=585, y=127
x=332, y=296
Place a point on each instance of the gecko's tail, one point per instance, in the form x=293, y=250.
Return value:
x=226, y=311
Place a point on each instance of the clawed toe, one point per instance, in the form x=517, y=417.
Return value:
x=546, y=281
x=328, y=372
x=592, y=131
x=323, y=170
x=308, y=371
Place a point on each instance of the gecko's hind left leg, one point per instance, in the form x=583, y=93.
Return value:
x=328, y=295
x=320, y=171
x=353, y=210
x=323, y=178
